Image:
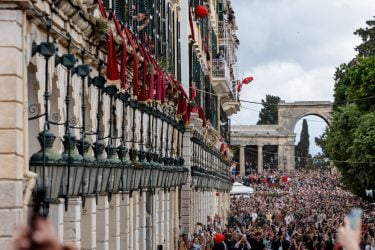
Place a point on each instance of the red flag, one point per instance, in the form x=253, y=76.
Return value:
x=247, y=80
x=239, y=86
x=113, y=77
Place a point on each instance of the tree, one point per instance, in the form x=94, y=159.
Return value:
x=302, y=149
x=349, y=140
x=268, y=114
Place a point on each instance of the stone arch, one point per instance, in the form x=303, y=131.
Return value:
x=281, y=134
x=290, y=113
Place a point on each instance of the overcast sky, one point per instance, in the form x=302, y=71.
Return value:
x=292, y=47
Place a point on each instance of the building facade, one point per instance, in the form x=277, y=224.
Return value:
x=114, y=118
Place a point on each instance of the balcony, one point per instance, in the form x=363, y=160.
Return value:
x=231, y=107
x=220, y=76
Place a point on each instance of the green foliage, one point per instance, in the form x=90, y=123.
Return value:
x=268, y=114
x=350, y=140
x=367, y=47
x=302, y=149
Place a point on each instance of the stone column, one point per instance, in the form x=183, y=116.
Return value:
x=88, y=230
x=176, y=219
x=260, y=159
x=13, y=123
x=186, y=192
x=155, y=214
x=135, y=219
x=242, y=160
x=102, y=220
x=131, y=222
x=166, y=220
x=161, y=218
x=56, y=215
x=114, y=223
x=142, y=221
x=124, y=221
x=185, y=208
x=72, y=222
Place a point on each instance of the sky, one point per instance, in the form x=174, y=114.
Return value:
x=292, y=48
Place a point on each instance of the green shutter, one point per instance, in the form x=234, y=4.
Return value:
x=106, y=4
x=120, y=10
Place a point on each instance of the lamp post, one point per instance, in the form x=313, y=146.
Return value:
x=137, y=166
x=91, y=178
x=142, y=153
x=155, y=168
x=83, y=144
x=73, y=161
x=127, y=173
x=114, y=175
x=47, y=163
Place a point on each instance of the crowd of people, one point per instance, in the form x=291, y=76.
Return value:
x=301, y=211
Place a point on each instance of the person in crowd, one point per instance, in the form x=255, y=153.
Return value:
x=42, y=237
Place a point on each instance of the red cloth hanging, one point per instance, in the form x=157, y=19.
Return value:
x=123, y=52
x=163, y=88
x=193, y=91
x=201, y=115
x=102, y=9
x=159, y=87
x=135, y=63
x=191, y=25
x=222, y=147
x=113, y=77
x=143, y=95
x=151, y=86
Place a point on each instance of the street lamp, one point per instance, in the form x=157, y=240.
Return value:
x=49, y=166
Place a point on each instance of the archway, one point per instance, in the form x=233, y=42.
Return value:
x=281, y=134
x=315, y=126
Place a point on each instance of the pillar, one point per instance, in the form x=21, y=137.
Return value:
x=155, y=213
x=131, y=223
x=72, y=222
x=13, y=122
x=166, y=220
x=185, y=208
x=124, y=221
x=161, y=218
x=114, y=223
x=135, y=219
x=56, y=215
x=88, y=225
x=102, y=220
x=260, y=159
x=176, y=219
x=142, y=221
x=149, y=220
x=242, y=160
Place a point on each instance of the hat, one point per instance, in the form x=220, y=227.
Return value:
x=219, y=238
